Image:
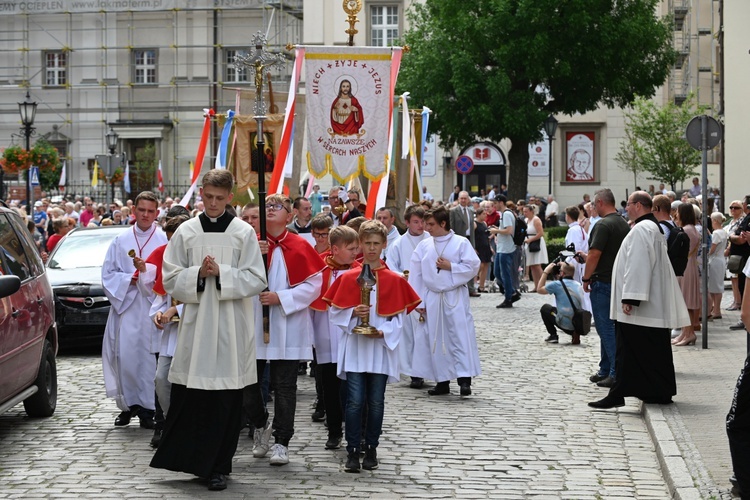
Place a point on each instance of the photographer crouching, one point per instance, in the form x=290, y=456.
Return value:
x=561, y=316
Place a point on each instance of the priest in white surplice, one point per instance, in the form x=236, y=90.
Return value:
x=398, y=257
x=445, y=345
x=213, y=266
x=130, y=338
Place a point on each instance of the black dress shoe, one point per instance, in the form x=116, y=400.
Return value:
x=333, y=443
x=516, y=297
x=596, y=377
x=156, y=438
x=504, y=305
x=147, y=422
x=123, y=418
x=608, y=402
x=416, y=383
x=606, y=382
x=318, y=415
x=439, y=390
x=465, y=390
x=217, y=482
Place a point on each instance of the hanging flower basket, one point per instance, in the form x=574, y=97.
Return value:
x=117, y=176
x=15, y=159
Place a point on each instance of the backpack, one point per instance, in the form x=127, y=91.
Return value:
x=519, y=229
x=678, y=248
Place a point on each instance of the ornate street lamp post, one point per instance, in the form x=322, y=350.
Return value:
x=550, y=127
x=27, y=109
x=111, y=145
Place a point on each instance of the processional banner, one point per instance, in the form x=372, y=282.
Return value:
x=349, y=95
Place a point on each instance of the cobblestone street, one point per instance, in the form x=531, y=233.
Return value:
x=525, y=432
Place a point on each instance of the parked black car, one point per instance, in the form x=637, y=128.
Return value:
x=75, y=273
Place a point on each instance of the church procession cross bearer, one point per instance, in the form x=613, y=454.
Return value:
x=259, y=61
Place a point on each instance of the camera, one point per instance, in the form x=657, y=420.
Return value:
x=570, y=251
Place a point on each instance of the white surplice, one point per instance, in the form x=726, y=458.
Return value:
x=445, y=345
x=216, y=339
x=399, y=260
x=289, y=324
x=325, y=334
x=360, y=354
x=130, y=338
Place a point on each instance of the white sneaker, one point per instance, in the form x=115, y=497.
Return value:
x=279, y=454
x=261, y=438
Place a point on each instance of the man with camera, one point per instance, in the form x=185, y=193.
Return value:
x=562, y=315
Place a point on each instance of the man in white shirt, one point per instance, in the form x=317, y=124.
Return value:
x=425, y=195
x=551, y=213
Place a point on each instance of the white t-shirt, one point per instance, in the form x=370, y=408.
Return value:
x=504, y=242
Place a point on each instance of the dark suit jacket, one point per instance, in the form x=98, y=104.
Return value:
x=459, y=222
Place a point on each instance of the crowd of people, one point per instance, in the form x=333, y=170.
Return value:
x=251, y=312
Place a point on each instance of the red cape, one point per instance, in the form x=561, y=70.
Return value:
x=394, y=294
x=300, y=258
x=320, y=304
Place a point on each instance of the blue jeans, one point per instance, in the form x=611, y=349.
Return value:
x=605, y=327
x=504, y=272
x=360, y=386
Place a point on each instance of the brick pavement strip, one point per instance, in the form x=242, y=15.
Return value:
x=526, y=432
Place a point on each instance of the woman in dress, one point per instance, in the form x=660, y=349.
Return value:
x=535, y=232
x=482, y=245
x=716, y=264
x=689, y=282
x=735, y=211
x=583, y=218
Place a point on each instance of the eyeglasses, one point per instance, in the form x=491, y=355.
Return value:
x=734, y=208
x=275, y=207
x=632, y=203
x=319, y=235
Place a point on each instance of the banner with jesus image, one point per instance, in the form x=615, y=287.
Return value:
x=349, y=95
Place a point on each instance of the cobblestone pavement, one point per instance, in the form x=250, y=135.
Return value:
x=525, y=433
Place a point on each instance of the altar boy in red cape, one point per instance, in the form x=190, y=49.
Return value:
x=368, y=362
x=294, y=281
x=339, y=259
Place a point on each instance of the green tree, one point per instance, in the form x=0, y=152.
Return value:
x=143, y=175
x=496, y=69
x=656, y=140
x=629, y=156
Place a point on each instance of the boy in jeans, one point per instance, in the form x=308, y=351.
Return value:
x=368, y=362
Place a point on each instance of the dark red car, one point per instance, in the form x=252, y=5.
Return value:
x=28, y=333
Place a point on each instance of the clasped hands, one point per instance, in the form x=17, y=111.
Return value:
x=209, y=267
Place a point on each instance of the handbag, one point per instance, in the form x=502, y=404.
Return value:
x=734, y=264
x=581, y=317
x=535, y=246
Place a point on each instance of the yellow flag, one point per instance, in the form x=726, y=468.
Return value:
x=95, y=177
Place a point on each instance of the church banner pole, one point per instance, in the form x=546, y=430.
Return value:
x=259, y=61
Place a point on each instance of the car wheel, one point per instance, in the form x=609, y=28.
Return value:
x=44, y=402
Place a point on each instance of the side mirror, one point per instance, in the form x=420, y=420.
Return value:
x=9, y=285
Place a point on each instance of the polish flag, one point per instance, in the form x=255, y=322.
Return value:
x=160, y=179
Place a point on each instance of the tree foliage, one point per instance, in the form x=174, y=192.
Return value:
x=656, y=140
x=480, y=65
x=143, y=172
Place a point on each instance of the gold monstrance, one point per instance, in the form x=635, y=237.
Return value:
x=366, y=282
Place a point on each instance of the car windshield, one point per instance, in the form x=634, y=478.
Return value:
x=82, y=249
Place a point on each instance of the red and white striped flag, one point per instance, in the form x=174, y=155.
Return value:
x=160, y=179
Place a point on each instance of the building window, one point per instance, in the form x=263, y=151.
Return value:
x=144, y=65
x=233, y=73
x=55, y=69
x=383, y=25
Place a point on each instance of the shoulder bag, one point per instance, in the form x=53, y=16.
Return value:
x=581, y=317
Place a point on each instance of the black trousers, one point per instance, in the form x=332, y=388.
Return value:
x=549, y=316
x=284, y=383
x=332, y=398
x=738, y=430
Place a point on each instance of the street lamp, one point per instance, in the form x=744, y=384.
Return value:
x=550, y=127
x=447, y=158
x=27, y=109
x=111, y=137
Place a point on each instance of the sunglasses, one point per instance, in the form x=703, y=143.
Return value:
x=734, y=208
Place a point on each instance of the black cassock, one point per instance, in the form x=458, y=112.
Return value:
x=738, y=430
x=643, y=363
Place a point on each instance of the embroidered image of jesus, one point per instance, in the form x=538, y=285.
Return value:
x=346, y=113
